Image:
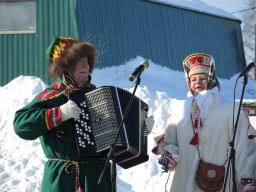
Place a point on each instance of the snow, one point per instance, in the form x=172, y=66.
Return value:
x=198, y=6
x=22, y=162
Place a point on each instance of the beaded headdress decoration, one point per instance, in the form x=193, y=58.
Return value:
x=57, y=47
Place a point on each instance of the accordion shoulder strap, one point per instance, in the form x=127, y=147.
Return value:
x=65, y=138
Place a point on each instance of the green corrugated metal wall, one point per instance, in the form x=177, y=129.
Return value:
x=160, y=32
x=24, y=54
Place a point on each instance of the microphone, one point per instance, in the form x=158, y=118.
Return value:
x=247, y=69
x=143, y=65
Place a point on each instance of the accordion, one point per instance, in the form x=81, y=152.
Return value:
x=101, y=113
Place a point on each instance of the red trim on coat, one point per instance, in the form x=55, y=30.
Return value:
x=56, y=89
x=53, y=117
x=251, y=130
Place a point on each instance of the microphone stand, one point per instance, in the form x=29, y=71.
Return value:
x=232, y=152
x=111, y=154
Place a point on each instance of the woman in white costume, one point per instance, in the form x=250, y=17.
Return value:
x=202, y=131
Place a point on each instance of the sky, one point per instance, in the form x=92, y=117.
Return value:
x=22, y=162
x=230, y=6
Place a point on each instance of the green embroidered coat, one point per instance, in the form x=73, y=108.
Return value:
x=40, y=119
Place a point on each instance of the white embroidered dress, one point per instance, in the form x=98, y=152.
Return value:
x=214, y=136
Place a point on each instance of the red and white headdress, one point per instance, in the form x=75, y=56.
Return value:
x=200, y=63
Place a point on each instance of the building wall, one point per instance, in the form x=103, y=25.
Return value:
x=159, y=32
x=24, y=54
x=125, y=29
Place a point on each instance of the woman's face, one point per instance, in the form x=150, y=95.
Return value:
x=81, y=71
x=198, y=83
